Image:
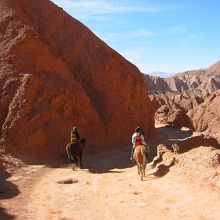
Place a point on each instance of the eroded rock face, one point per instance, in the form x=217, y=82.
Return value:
x=185, y=100
x=206, y=116
x=182, y=93
x=56, y=74
x=156, y=83
x=173, y=116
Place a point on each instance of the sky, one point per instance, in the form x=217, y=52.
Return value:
x=169, y=36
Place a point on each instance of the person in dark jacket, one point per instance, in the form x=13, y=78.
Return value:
x=75, y=136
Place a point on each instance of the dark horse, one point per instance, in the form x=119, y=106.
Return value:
x=76, y=150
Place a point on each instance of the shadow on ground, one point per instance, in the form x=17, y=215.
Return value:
x=7, y=189
x=162, y=170
x=167, y=135
x=109, y=160
x=170, y=132
x=4, y=215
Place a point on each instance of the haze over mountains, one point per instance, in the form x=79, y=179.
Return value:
x=160, y=74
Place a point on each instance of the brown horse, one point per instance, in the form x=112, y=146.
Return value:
x=141, y=158
x=75, y=150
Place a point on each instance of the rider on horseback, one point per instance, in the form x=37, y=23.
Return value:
x=137, y=139
x=76, y=147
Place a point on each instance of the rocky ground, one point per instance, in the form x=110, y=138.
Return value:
x=110, y=188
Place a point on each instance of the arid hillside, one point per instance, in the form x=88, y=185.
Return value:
x=56, y=74
x=173, y=97
x=204, y=81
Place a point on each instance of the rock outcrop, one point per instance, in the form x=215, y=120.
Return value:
x=172, y=116
x=55, y=74
x=185, y=100
x=206, y=116
x=156, y=83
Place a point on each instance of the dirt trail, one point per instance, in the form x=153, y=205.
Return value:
x=109, y=189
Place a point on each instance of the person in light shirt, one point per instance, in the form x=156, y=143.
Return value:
x=137, y=139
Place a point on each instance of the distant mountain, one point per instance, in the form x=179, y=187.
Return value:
x=214, y=69
x=204, y=80
x=161, y=74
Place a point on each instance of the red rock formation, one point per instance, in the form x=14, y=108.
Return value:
x=172, y=116
x=184, y=91
x=55, y=73
x=185, y=100
x=155, y=83
x=206, y=116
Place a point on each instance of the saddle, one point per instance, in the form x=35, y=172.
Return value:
x=138, y=141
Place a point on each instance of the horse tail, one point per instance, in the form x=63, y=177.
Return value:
x=144, y=153
x=82, y=143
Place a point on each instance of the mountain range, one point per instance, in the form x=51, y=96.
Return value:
x=205, y=81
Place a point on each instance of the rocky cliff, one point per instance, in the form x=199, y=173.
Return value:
x=206, y=116
x=56, y=74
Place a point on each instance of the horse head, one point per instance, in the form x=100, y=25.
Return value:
x=83, y=141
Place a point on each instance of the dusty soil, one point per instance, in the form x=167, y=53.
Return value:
x=108, y=188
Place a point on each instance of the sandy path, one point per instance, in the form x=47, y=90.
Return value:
x=104, y=192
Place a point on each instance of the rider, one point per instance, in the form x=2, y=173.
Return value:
x=75, y=136
x=137, y=139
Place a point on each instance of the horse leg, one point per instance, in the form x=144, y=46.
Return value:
x=141, y=172
x=72, y=159
x=80, y=160
x=75, y=160
x=138, y=167
x=144, y=167
x=68, y=152
x=68, y=156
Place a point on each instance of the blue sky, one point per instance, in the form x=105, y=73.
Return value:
x=155, y=35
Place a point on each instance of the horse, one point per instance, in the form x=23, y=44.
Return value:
x=75, y=150
x=141, y=158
